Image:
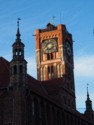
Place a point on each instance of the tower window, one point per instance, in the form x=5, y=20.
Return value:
x=35, y=111
x=21, y=69
x=33, y=108
x=16, y=52
x=49, y=56
x=50, y=69
x=20, y=53
x=15, y=69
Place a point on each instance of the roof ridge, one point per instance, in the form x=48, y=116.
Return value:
x=43, y=87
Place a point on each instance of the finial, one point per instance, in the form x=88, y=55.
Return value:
x=18, y=31
x=87, y=91
x=18, y=22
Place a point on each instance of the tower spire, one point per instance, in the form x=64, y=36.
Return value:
x=18, y=31
x=88, y=101
x=87, y=92
x=89, y=113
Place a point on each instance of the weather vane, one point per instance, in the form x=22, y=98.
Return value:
x=18, y=21
x=87, y=87
x=53, y=17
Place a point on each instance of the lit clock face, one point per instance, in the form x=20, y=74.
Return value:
x=68, y=48
x=49, y=46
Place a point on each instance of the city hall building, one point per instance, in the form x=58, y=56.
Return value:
x=49, y=100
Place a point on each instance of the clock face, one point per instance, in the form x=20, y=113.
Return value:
x=68, y=48
x=49, y=46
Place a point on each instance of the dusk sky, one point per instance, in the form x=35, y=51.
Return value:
x=77, y=15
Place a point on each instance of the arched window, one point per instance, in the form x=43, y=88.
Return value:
x=63, y=117
x=21, y=69
x=33, y=108
x=50, y=69
x=20, y=53
x=35, y=111
x=53, y=116
x=59, y=117
x=15, y=69
x=51, y=72
x=58, y=70
x=67, y=119
x=16, y=52
x=49, y=56
x=42, y=113
x=71, y=120
x=48, y=114
x=41, y=73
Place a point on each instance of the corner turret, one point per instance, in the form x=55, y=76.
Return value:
x=89, y=113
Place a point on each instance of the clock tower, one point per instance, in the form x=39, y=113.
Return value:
x=54, y=57
x=54, y=52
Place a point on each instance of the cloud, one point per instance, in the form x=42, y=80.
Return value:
x=84, y=66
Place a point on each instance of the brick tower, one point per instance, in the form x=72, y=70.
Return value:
x=54, y=52
x=18, y=72
x=54, y=55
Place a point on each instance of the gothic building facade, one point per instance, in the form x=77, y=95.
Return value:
x=49, y=100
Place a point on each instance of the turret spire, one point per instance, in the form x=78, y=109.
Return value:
x=89, y=113
x=88, y=101
x=87, y=92
x=18, y=31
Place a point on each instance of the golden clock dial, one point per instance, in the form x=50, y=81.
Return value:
x=49, y=46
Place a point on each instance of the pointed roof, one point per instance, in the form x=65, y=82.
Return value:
x=18, y=31
x=87, y=93
x=18, y=40
x=88, y=101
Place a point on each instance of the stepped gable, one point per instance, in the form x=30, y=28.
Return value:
x=4, y=72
